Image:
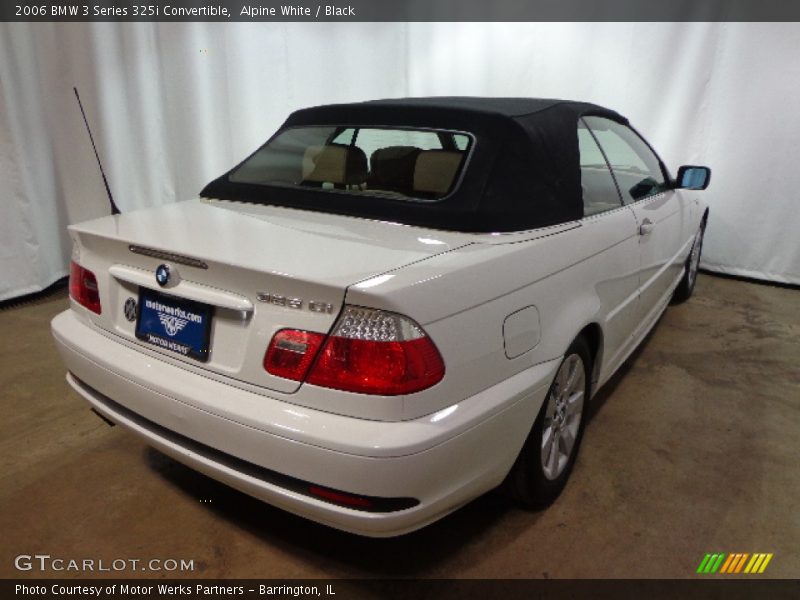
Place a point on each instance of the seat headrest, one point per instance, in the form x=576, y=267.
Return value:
x=392, y=167
x=435, y=171
x=335, y=163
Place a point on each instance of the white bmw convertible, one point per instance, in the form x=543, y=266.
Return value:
x=389, y=308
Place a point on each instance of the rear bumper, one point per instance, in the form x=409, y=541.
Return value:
x=442, y=460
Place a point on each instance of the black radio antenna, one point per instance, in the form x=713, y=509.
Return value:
x=114, y=209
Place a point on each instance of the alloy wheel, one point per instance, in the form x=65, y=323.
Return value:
x=562, y=417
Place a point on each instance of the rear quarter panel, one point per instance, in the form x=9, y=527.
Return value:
x=574, y=277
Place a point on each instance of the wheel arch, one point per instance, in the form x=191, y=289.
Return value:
x=593, y=334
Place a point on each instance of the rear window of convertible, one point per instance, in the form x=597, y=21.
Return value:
x=412, y=164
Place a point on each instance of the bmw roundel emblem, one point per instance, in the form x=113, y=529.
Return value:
x=130, y=309
x=162, y=275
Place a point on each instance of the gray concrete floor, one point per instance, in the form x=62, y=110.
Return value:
x=692, y=448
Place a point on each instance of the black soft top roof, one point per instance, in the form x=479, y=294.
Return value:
x=523, y=171
x=505, y=107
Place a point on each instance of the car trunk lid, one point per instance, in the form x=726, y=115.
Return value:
x=254, y=269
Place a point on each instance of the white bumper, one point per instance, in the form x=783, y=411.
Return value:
x=442, y=460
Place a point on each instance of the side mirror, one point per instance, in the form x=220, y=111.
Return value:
x=692, y=177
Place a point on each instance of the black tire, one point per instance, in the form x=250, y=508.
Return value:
x=527, y=482
x=685, y=288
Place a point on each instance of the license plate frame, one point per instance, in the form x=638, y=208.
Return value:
x=178, y=325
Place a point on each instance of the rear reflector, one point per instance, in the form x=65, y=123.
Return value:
x=339, y=497
x=83, y=287
x=373, y=504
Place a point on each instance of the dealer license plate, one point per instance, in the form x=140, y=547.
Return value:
x=176, y=324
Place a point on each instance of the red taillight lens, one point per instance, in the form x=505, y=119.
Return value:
x=291, y=353
x=382, y=368
x=368, y=352
x=377, y=352
x=83, y=287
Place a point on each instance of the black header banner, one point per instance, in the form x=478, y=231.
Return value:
x=399, y=10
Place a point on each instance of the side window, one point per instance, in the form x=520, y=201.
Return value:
x=345, y=138
x=599, y=190
x=635, y=166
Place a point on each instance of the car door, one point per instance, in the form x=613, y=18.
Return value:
x=611, y=226
x=644, y=187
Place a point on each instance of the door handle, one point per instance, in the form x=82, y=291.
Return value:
x=646, y=227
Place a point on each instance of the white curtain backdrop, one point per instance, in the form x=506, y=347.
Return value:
x=174, y=105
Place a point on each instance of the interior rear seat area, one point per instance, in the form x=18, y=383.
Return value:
x=406, y=170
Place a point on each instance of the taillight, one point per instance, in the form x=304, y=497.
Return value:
x=291, y=352
x=83, y=287
x=369, y=352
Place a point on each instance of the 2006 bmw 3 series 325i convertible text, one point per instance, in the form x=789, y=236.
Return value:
x=389, y=308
